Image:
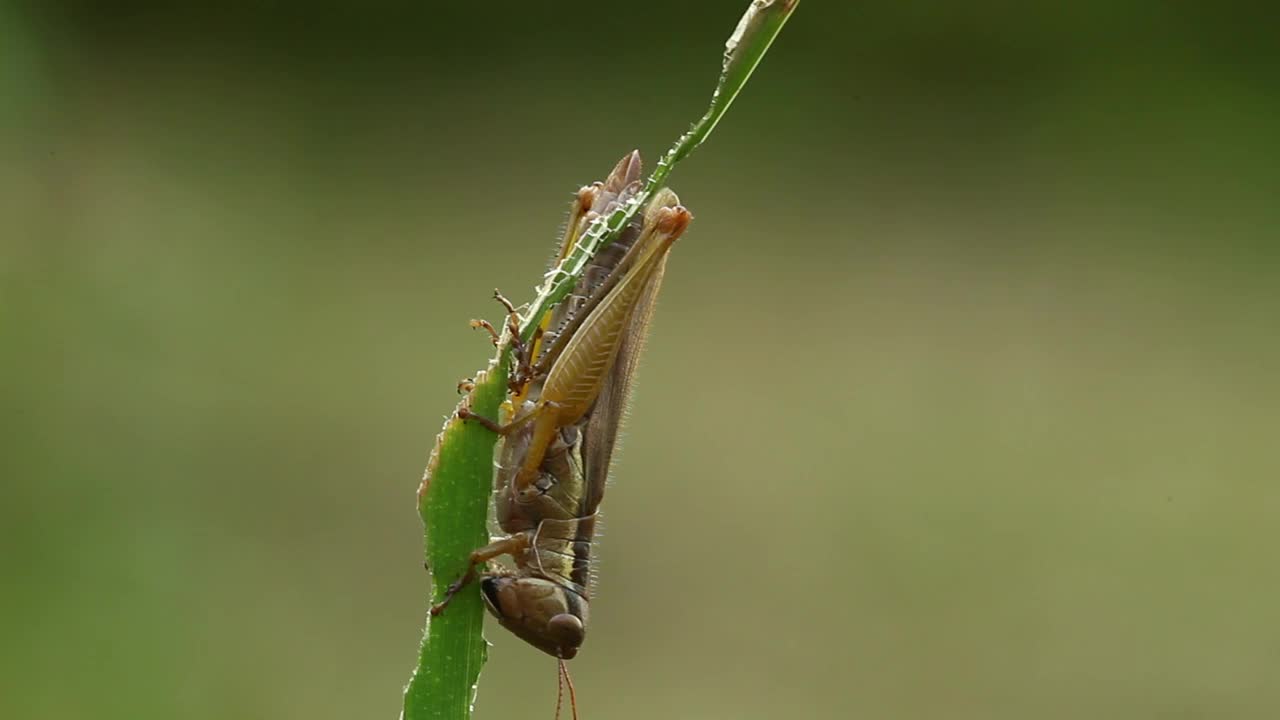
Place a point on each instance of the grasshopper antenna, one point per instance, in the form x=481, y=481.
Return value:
x=562, y=679
x=559, y=686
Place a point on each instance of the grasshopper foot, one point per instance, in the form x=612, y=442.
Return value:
x=487, y=326
x=511, y=309
x=454, y=588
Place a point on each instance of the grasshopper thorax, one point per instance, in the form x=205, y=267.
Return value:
x=543, y=613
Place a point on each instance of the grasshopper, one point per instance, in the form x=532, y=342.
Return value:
x=569, y=388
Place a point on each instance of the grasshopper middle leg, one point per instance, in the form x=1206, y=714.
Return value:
x=464, y=412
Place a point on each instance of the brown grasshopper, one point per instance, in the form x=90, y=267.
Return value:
x=569, y=390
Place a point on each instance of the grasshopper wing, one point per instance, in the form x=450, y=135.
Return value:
x=600, y=435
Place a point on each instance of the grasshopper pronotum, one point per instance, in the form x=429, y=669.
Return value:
x=569, y=390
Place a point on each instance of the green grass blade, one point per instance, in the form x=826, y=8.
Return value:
x=454, y=502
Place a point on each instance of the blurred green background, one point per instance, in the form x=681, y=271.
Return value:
x=961, y=400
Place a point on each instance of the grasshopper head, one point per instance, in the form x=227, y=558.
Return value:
x=544, y=614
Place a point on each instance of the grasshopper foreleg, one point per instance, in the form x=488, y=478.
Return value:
x=500, y=546
x=522, y=352
x=512, y=321
x=523, y=371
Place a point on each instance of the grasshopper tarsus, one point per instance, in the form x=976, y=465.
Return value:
x=513, y=317
x=454, y=588
x=488, y=327
x=511, y=309
x=444, y=602
x=440, y=606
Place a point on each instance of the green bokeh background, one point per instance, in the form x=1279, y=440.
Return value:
x=961, y=400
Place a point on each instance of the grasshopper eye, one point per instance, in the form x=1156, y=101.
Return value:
x=568, y=633
x=490, y=590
